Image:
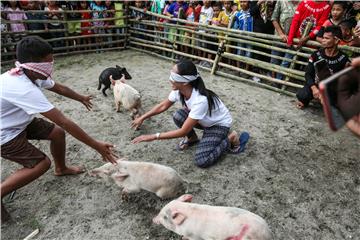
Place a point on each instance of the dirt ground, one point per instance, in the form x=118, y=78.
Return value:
x=298, y=175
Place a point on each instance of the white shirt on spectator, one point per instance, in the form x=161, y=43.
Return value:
x=199, y=109
x=20, y=100
x=206, y=14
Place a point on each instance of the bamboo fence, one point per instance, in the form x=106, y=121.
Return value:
x=173, y=38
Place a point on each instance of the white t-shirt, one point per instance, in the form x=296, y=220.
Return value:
x=20, y=100
x=206, y=15
x=199, y=109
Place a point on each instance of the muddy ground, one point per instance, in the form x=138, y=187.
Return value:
x=297, y=174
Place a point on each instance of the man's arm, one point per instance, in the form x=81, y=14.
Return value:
x=68, y=125
x=67, y=92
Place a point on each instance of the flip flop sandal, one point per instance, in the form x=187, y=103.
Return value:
x=185, y=144
x=244, y=138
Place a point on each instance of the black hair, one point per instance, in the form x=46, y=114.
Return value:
x=187, y=67
x=335, y=30
x=348, y=23
x=342, y=3
x=217, y=4
x=32, y=49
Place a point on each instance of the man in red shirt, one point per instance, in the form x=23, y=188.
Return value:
x=313, y=11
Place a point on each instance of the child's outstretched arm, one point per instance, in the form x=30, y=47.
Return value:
x=67, y=92
x=105, y=149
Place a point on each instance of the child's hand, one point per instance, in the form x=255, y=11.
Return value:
x=357, y=31
x=144, y=138
x=86, y=100
x=106, y=151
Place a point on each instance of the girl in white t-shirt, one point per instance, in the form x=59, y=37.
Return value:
x=202, y=109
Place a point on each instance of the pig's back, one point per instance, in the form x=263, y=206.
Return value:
x=129, y=95
x=153, y=174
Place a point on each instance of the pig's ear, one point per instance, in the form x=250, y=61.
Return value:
x=117, y=66
x=120, y=176
x=177, y=217
x=185, y=198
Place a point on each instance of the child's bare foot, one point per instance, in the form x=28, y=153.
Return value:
x=300, y=105
x=234, y=139
x=72, y=170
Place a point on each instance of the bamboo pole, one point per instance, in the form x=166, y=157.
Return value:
x=237, y=78
x=299, y=75
x=270, y=79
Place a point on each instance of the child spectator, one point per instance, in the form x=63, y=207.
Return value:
x=281, y=18
x=85, y=31
x=110, y=13
x=17, y=15
x=157, y=6
x=348, y=38
x=244, y=22
x=36, y=26
x=54, y=14
x=337, y=14
x=165, y=12
x=315, y=12
x=138, y=17
x=119, y=23
x=21, y=100
x=190, y=16
x=206, y=14
x=261, y=11
x=74, y=28
x=98, y=13
x=335, y=61
x=225, y=15
x=176, y=10
x=216, y=22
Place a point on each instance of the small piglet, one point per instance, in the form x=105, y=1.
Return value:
x=164, y=181
x=117, y=73
x=196, y=221
x=127, y=96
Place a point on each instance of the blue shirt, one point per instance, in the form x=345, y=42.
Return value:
x=243, y=21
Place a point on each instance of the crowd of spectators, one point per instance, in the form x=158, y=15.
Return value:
x=286, y=19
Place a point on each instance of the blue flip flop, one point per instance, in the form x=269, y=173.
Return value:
x=244, y=138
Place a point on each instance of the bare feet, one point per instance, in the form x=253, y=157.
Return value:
x=72, y=170
x=300, y=105
x=234, y=139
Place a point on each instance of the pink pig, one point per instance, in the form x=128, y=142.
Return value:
x=204, y=222
x=133, y=176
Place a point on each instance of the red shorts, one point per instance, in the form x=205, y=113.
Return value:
x=21, y=151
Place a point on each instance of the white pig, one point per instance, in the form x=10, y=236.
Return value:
x=127, y=96
x=164, y=181
x=204, y=222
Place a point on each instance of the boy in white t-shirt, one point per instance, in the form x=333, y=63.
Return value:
x=202, y=109
x=21, y=99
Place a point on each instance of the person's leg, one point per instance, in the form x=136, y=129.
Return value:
x=58, y=150
x=285, y=64
x=179, y=118
x=304, y=95
x=213, y=144
x=35, y=163
x=42, y=129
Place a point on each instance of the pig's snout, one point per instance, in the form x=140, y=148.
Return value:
x=156, y=220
